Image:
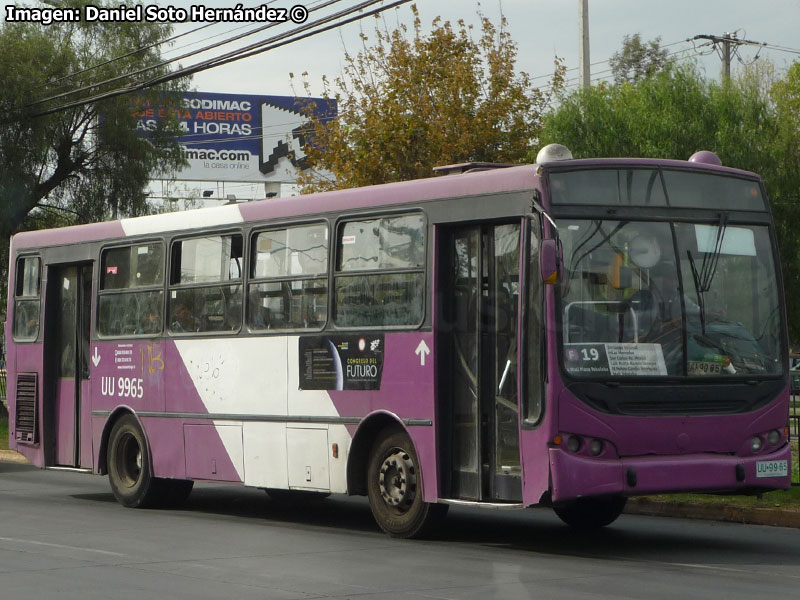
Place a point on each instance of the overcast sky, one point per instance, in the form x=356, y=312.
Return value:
x=542, y=29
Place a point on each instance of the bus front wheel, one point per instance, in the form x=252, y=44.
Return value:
x=591, y=513
x=393, y=487
x=129, y=471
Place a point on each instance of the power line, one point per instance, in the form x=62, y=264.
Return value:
x=246, y=52
x=570, y=83
x=728, y=46
x=128, y=54
x=172, y=60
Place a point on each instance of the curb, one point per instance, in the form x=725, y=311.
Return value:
x=13, y=457
x=773, y=517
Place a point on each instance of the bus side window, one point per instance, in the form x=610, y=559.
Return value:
x=130, y=299
x=380, y=272
x=289, y=278
x=205, y=284
x=27, y=304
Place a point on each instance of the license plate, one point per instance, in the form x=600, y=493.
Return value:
x=772, y=468
x=704, y=368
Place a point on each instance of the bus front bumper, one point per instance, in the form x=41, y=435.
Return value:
x=575, y=476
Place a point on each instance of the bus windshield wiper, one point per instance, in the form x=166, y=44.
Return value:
x=703, y=279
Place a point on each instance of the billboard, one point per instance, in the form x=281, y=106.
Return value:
x=237, y=137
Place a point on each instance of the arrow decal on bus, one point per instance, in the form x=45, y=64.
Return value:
x=422, y=351
x=96, y=357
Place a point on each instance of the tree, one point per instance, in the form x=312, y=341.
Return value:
x=409, y=103
x=81, y=164
x=751, y=123
x=637, y=60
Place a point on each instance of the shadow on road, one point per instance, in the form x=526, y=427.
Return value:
x=677, y=541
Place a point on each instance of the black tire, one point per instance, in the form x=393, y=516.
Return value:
x=591, y=513
x=129, y=471
x=295, y=496
x=395, y=496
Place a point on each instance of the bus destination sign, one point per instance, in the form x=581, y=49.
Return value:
x=614, y=359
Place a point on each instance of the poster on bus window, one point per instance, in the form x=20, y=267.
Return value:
x=614, y=359
x=341, y=362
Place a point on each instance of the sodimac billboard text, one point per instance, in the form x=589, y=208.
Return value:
x=236, y=137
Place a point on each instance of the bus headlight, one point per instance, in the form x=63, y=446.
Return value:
x=773, y=437
x=574, y=443
x=595, y=447
x=755, y=444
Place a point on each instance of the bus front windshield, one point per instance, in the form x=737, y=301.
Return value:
x=655, y=299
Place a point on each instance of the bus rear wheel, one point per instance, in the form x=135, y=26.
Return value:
x=393, y=488
x=591, y=513
x=129, y=471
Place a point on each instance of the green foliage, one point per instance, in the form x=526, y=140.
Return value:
x=751, y=123
x=638, y=60
x=409, y=102
x=84, y=163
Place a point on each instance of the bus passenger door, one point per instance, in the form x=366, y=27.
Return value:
x=477, y=328
x=66, y=371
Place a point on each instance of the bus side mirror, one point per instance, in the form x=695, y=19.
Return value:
x=549, y=261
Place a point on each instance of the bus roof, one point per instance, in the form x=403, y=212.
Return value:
x=522, y=177
x=517, y=178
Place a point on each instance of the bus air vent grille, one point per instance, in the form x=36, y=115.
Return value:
x=697, y=406
x=27, y=419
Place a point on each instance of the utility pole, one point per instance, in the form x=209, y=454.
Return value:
x=728, y=43
x=583, y=55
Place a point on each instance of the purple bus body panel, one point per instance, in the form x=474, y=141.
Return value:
x=420, y=190
x=576, y=476
x=107, y=394
x=669, y=435
x=406, y=391
x=68, y=235
x=25, y=358
x=160, y=367
x=86, y=455
x=534, y=443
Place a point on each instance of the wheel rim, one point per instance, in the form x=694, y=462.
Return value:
x=129, y=460
x=397, y=480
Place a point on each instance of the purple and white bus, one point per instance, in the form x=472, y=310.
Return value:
x=568, y=333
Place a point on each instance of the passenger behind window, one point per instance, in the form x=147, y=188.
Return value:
x=150, y=321
x=183, y=319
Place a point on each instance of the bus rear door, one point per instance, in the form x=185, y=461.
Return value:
x=66, y=371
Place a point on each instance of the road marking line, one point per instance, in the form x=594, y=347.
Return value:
x=5, y=539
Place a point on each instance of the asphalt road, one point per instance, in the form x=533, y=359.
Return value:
x=62, y=536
